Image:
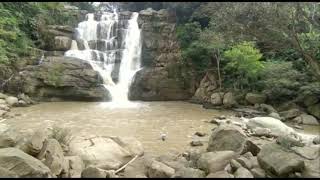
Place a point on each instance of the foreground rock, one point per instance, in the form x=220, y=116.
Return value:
x=160, y=170
x=75, y=166
x=106, y=152
x=278, y=161
x=215, y=161
x=22, y=164
x=53, y=156
x=227, y=137
x=62, y=77
x=8, y=136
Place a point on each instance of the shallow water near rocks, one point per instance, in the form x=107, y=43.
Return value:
x=142, y=120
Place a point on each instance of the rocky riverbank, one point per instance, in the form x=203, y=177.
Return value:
x=240, y=146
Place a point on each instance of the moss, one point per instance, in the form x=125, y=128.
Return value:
x=55, y=75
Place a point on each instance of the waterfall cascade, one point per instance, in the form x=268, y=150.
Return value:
x=112, y=46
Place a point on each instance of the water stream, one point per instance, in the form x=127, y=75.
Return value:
x=106, y=41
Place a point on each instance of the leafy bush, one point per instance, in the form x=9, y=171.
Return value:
x=188, y=33
x=280, y=81
x=243, y=64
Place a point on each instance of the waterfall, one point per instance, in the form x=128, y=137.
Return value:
x=103, y=43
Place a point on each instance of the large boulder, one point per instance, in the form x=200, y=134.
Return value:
x=12, y=101
x=189, y=173
x=315, y=110
x=93, y=172
x=216, y=99
x=9, y=137
x=3, y=96
x=275, y=125
x=75, y=166
x=220, y=174
x=61, y=77
x=4, y=173
x=22, y=164
x=53, y=156
x=253, y=98
x=152, y=84
x=243, y=173
x=160, y=170
x=306, y=119
x=227, y=137
x=212, y=162
x=229, y=100
x=105, y=152
x=277, y=160
x=36, y=142
x=289, y=114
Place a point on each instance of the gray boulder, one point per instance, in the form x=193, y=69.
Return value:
x=9, y=137
x=276, y=160
x=189, y=173
x=22, y=164
x=217, y=99
x=93, y=172
x=160, y=170
x=53, y=156
x=220, y=174
x=4, y=173
x=243, y=173
x=245, y=162
x=229, y=100
x=289, y=114
x=108, y=153
x=3, y=96
x=306, y=119
x=76, y=166
x=267, y=108
x=215, y=161
x=258, y=173
x=12, y=101
x=227, y=137
x=36, y=142
x=256, y=98
x=60, y=77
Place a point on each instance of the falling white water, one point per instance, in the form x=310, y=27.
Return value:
x=130, y=62
x=91, y=34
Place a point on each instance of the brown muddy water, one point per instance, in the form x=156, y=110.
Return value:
x=142, y=120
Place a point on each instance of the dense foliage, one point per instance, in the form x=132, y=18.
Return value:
x=19, y=24
x=283, y=63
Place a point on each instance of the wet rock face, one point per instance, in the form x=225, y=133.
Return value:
x=151, y=84
x=160, y=59
x=62, y=77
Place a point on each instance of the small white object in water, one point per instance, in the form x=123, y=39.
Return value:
x=163, y=136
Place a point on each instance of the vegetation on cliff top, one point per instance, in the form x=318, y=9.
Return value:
x=284, y=54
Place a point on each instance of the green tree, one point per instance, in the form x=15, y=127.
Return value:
x=243, y=64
